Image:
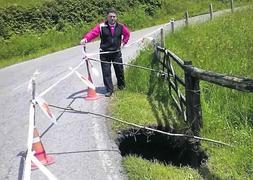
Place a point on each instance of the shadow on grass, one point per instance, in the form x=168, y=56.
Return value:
x=206, y=174
x=251, y=117
x=164, y=109
x=159, y=99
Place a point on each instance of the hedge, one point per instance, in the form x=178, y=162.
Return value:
x=17, y=19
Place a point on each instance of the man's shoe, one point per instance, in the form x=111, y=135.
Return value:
x=108, y=94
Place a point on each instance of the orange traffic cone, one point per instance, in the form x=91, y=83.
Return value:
x=40, y=153
x=91, y=93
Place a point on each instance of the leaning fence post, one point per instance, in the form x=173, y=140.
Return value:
x=192, y=94
x=232, y=5
x=186, y=18
x=172, y=23
x=162, y=38
x=211, y=11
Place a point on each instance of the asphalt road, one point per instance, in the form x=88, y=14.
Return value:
x=80, y=143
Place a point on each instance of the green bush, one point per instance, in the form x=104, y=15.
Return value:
x=17, y=19
x=58, y=16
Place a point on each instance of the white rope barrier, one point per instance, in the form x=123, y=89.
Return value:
x=43, y=169
x=131, y=65
x=30, y=155
x=70, y=109
x=66, y=76
x=27, y=170
x=146, y=36
x=127, y=45
x=99, y=53
x=44, y=107
x=85, y=80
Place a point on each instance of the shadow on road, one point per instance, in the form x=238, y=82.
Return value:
x=57, y=119
x=84, y=151
x=22, y=156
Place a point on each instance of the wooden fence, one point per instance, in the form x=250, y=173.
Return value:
x=188, y=99
x=185, y=91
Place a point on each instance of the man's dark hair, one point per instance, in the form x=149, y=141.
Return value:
x=111, y=10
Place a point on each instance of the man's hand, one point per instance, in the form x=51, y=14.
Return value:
x=123, y=45
x=83, y=41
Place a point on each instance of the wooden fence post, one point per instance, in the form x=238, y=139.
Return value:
x=186, y=18
x=232, y=5
x=162, y=55
x=193, y=106
x=172, y=22
x=162, y=38
x=211, y=11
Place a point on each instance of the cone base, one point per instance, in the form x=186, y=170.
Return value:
x=92, y=97
x=49, y=160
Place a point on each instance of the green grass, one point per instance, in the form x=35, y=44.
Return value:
x=146, y=170
x=223, y=45
x=14, y=49
x=175, y=9
x=31, y=45
x=24, y=3
x=171, y=9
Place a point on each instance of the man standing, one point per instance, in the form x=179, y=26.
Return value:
x=112, y=35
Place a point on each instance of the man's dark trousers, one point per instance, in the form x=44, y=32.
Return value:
x=118, y=68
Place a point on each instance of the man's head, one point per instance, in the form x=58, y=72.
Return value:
x=111, y=16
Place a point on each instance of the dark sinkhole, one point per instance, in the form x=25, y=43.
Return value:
x=178, y=151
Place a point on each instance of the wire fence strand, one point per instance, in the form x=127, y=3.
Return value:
x=70, y=109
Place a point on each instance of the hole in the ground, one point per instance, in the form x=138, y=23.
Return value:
x=178, y=151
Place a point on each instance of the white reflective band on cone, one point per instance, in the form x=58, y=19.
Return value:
x=37, y=139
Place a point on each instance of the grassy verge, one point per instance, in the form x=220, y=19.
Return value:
x=143, y=169
x=29, y=45
x=223, y=45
